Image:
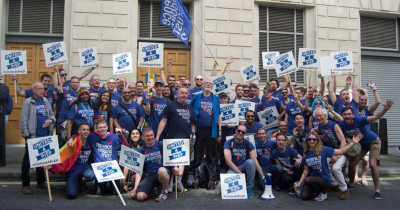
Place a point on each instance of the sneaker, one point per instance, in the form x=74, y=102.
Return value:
x=162, y=197
x=321, y=197
x=344, y=195
x=377, y=196
x=249, y=193
x=292, y=191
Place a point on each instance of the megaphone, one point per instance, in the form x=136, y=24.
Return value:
x=267, y=195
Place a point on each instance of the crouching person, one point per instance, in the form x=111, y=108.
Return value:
x=154, y=173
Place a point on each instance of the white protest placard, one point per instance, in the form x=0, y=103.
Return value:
x=176, y=152
x=107, y=171
x=233, y=186
x=269, y=117
x=150, y=54
x=43, y=151
x=308, y=59
x=327, y=64
x=243, y=106
x=88, y=57
x=343, y=61
x=284, y=64
x=267, y=59
x=13, y=62
x=122, y=63
x=229, y=114
x=249, y=73
x=221, y=84
x=131, y=159
x=55, y=53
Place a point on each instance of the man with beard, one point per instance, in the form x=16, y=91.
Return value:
x=344, y=97
x=238, y=92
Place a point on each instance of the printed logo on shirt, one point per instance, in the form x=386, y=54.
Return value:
x=154, y=157
x=184, y=114
x=105, y=151
x=315, y=163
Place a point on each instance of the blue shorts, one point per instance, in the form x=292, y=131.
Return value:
x=148, y=182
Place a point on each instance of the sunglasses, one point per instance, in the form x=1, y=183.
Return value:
x=199, y=79
x=318, y=103
x=250, y=116
x=186, y=84
x=241, y=132
x=63, y=75
x=312, y=139
x=246, y=90
x=284, y=92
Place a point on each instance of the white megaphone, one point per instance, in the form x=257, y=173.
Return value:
x=267, y=195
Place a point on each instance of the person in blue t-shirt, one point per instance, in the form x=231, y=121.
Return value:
x=268, y=102
x=293, y=108
x=299, y=134
x=353, y=125
x=316, y=177
x=45, y=79
x=198, y=89
x=80, y=111
x=251, y=126
x=95, y=89
x=103, y=109
x=344, y=97
x=154, y=172
x=290, y=161
x=115, y=97
x=264, y=148
x=253, y=96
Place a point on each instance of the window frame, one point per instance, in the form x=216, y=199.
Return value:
x=380, y=48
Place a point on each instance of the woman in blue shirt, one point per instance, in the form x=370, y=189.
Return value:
x=103, y=109
x=80, y=111
x=316, y=177
x=135, y=142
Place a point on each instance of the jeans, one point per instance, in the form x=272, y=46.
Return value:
x=270, y=131
x=276, y=174
x=25, y=170
x=74, y=180
x=338, y=174
x=249, y=168
x=204, y=142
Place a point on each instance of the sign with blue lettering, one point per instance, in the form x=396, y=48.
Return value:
x=122, y=63
x=267, y=59
x=308, y=59
x=88, y=57
x=221, y=84
x=131, y=159
x=13, y=62
x=107, y=171
x=55, y=53
x=284, y=64
x=150, y=54
x=229, y=114
x=343, y=61
x=43, y=151
x=249, y=73
x=233, y=186
x=243, y=106
x=327, y=64
x=176, y=152
x=269, y=117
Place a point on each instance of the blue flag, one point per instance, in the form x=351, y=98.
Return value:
x=175, y=16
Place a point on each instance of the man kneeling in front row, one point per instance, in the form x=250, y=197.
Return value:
x=154, y=173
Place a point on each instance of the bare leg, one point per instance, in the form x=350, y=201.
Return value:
x=163, y=177
x=364, y=170
x=375, y=173
x=352, y=171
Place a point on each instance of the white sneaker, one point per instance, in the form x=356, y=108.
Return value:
x=321, y=197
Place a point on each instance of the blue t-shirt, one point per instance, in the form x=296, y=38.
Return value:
x=277, y=94
x=124, y=119
x=49, y=94
x=254, y=129
x=285, y=158
x=115, y=99
x=318, y=166
x=362, y=112
x=264, y=153
x=339, y=105
x=68, y=96
x=66, y=87
x=83, y=113
x=359, y=125
x=227, y=131
x=179, y=119
x=82, y=163
x=292, y=109
x=154, y=159
x=195, y=91
x=156, y=113
x=238, y=152
x=301, y=139
x=329, y=133
x=41, y=117
x=204, y=118
x=118, y=92
x=104, y=149
x=95, y=99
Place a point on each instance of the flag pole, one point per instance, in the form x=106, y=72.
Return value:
x=203, y=39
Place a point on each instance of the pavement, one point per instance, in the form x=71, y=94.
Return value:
x=389, y=165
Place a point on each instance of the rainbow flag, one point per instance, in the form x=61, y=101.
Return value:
x=149, y=76
x=68, y=156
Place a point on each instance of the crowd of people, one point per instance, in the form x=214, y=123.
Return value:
x=306, y=153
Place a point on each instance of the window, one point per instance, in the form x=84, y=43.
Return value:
x=36, y=17
x=379, y=33
x=281, y=29
x=149, y=29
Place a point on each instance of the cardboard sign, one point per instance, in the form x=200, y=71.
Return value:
x=267, y=59
x=269, y=117
x=122, y=63
x=233, y=186
x=249, y=73
x=107, y=171
x=243, y=106
x=327, y=64
x=229, y=114
x=150, y=54
x=308, y=59
x=13, y=62
x=176, y=152
x=55, y=53
x=284, y=64
x=221, y=84
x=131, y=159
x=343, y=61
x=88, y=57
x=43, y=151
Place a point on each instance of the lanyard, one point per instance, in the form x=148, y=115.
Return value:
x=87, y=114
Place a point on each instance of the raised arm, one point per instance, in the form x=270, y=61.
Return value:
x=322, y=90
x=340, y=136
x=20, y=92
x=355, y=86
x=57, y=84
x=169, y=66
x=374, y=106
x=331, y=88
x=87, y=72
x=380, y=114
x=286, y=83
x=163, y=76
x=332, y=114
x=228, y=61
x=348, y=83
x=343, y=150
x=214, y=72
